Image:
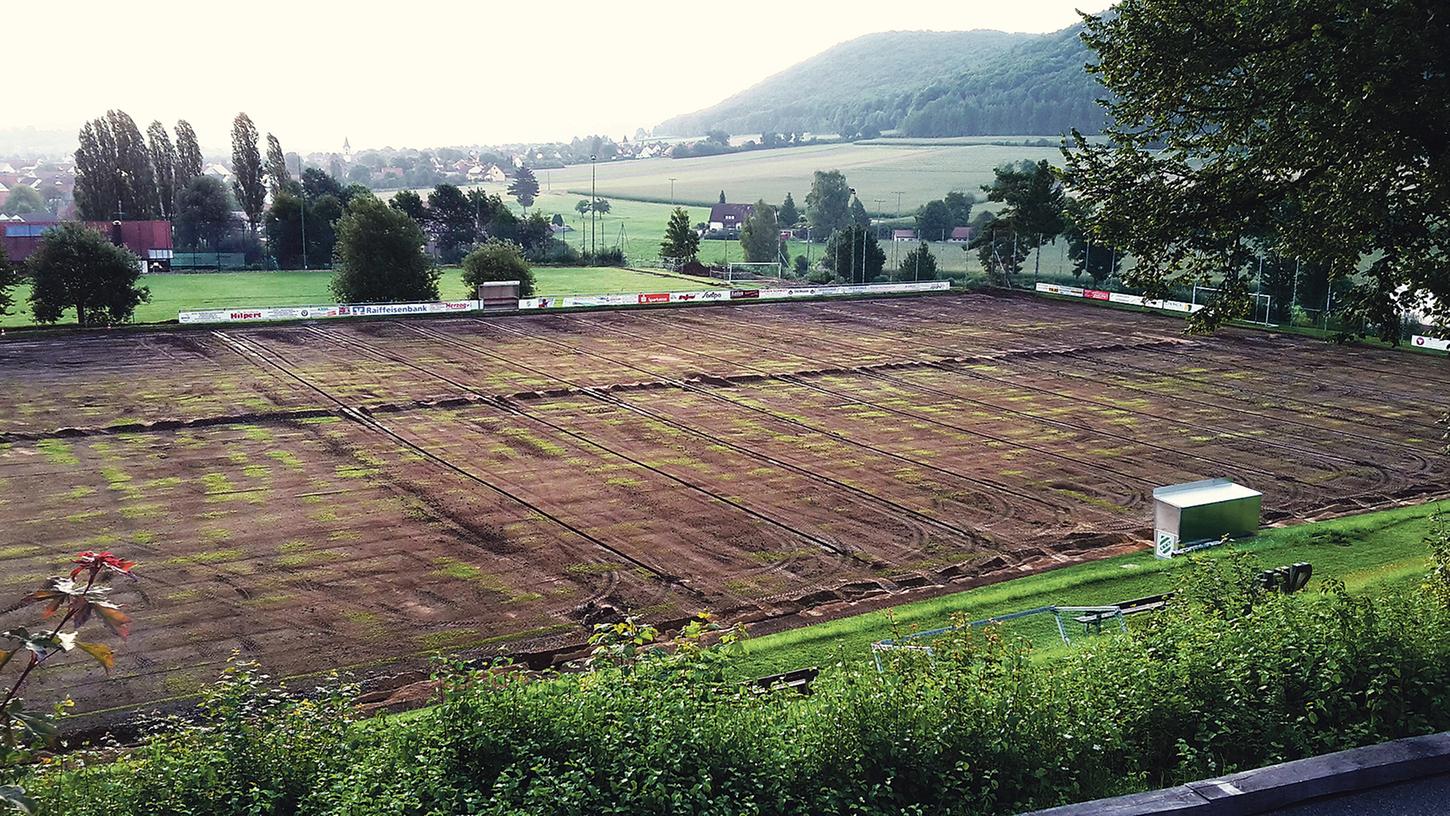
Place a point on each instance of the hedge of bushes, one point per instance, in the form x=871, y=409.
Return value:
x=1224, y=679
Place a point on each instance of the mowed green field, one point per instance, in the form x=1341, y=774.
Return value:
x=1368, y=552
x=918, y=171
x=218, y=290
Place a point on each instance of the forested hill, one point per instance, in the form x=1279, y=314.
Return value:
x=920, y=83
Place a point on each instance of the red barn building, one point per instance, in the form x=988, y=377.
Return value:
x=149, y=241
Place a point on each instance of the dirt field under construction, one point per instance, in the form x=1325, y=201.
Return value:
x=357, y=495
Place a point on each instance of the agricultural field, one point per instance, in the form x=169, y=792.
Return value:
x=920, y=171
x=358, y=495
x=172, y=293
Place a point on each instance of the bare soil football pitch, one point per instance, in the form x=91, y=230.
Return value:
x=356, y=496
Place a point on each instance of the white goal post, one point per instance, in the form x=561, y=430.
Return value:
x=1263, y=304
x=753, y=270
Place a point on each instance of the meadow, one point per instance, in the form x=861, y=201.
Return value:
x=171, y=293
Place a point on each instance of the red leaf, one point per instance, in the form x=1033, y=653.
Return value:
x=115, y=620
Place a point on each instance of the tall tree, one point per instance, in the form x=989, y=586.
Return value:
x=828, y=204
x=23, y=199
x=858, y=213
x=1290, y=128
x=525, y=187
x=918, y=265
x=189, y=162
x=451, y=222
x=9, y=276
x=410, y=204
x=1088, y=254
x=317, y=183
x=203, y=214
x=380, y=256
x=277, y=175
x=934, y=221
x=1033, y=201
x=681, y=242
x=788, y=215
x=760, y=237
x=75, y=267
x=135, y=177
x=247, y=172
x=284, y=226
x=959, y=205
x=163, y=162
x=853, y=254
x=722, y=197
x=96, y=194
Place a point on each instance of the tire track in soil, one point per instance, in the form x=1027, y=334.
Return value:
x=512, y=409
x=1423, y=464
x=799, y=378
x=260, y=356
x=1279, y=395
x=999, y=562
x=1000, y=493
x=504, y=407
x=612, y=399
x=1385, y=484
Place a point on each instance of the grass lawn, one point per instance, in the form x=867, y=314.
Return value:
x=177, y=292
x=1367, y=552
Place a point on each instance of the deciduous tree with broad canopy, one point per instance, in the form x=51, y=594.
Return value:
x=681, y=241
x=760, y=237
x=828, y=203
x=1305, y=129
x=77, y=267
x=853, y=254
x=380, y=256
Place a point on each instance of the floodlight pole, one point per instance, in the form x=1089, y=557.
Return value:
x=303, y=210
x=672, y=191
x=593, y=199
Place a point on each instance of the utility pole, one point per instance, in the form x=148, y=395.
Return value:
x=898, y=202
x=593, y=199
x=672, y=191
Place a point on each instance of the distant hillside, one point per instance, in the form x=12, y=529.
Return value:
x=921, y=83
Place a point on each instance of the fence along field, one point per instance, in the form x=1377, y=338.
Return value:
x=359, y=495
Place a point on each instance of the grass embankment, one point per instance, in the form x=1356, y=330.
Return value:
x=220, y=290
x=1368, y=552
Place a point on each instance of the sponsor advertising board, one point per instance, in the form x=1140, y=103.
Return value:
x=1116, y=297
x=1435, y=343
x=324, y=312
x=257, y=315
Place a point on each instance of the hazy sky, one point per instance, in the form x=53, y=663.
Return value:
x=431, y=72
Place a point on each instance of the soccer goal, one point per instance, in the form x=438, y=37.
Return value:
x=752, y=271
x=1043, y=627
x=1263, y=304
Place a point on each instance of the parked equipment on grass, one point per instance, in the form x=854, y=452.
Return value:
x=1195, y=515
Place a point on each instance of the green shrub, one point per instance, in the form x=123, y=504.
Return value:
x=496, y=260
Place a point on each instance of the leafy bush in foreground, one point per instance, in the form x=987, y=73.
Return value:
x=1224, y=679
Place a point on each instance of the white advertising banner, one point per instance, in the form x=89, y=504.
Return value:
x=1434, y=343
x=1116, y=297
x=717, y=295
x=323, y=312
